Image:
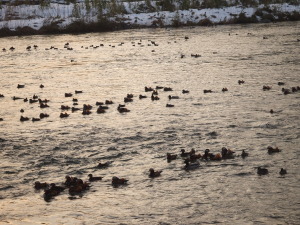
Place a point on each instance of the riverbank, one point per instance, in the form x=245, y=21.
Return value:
x=78, y=18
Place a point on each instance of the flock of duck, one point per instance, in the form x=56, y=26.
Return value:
x=191, y=159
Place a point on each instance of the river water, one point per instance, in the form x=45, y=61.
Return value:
x=227, y=191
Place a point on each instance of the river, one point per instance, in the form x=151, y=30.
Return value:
x=227, y=192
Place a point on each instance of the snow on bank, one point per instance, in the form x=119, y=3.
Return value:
x=35, y=16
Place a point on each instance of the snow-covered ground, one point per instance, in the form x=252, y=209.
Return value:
x=36, y=16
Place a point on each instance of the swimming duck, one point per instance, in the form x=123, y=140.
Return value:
x=185, y=91
x=68, y=95
x=99, y=103
x=244, y=154
x=171, y=157
x=158, y=87
x=108, y=102
x=184, y=154
x=16, y=98
x=147, y=89
x=87, y=107
x=273, y=150
x=142, y=96
x=35, y=119
x=168, y=89
x=43, y=115
x=241, y=81
x=265, y=87
x=64, y=107
x=100, y=110
x=191, y=166
x=128, y=99
x=1, y=96
x=224, y=89
x=116, y=181
x=262, y=171
x=92, y=178
x=21, y=86
x=280, y=83
x=78, y=92
x=86, y=112
x=173, y=97
x=103, y=165
x=154, y=98
x=63, y=115
x=43, y=105
x=227, y=153
x=38, y=185
x=282, y=171
x=207, y=91
x=122, y=109
x=129, y=95
x=154, y=173
x=169, y=105
x=22, y=118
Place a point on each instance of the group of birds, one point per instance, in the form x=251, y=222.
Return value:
x=191, y=160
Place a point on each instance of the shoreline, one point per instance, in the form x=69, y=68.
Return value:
x=60, y=19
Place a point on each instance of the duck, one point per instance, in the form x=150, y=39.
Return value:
x=78, y=92
x=64, y=107
x=43, y=115
x=244, y=154
x=129, y=95
x=171, y=157
x=108, y=102
x=31, y=101
x=38, y=185
x=116, y=181
x=68, y=95
x=1, y=96
x=227, y=153
x=159, y=87
x=241, y=81
x=224, y=89
x=21, y=86
x=154, y=98
x=35, y=119
x=99, y=103
x=262, y=171
x=103, y=165
x=169, y=105
x=185, y=91
x=43, y=105
x=266, y=87
x=22, y=118
x=273, y=150
x=142, y=96
x=184, y=154
x=100, y=110
x=148, y=89
x=207, y=91
x=282, y=171
x=128, y=99
x=173, y=97
x=281, y=83
x=92, y=178
x=122, y=109
x=35, y=96
x=63, y=115
x=191, y=166
x=154, y=173
x=86, y=112
x=168, y=89
x=16, y=98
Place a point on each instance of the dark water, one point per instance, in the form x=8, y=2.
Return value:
x=225, y=192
